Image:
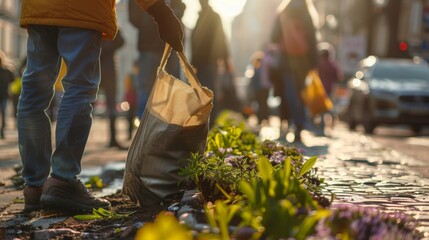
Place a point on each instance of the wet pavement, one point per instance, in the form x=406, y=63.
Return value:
x=356, y=169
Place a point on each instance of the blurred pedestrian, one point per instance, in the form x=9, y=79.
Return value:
x=131, y=97
x=54, y=105
x=150, y=49
x=109, y=83
x=210, y=50
x=259, y=86
x=15, y=86
x=294, y=31
x=6, y=78
x=330, y=75
x=72, y=30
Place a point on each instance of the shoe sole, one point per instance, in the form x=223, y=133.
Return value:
x=32, y=207
x=49, y=201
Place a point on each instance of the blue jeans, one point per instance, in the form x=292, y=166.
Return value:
x=80, y=49
x=294, y=102
x=148, y=65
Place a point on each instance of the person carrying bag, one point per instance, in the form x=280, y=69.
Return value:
x=314, y=95
x=174, y=125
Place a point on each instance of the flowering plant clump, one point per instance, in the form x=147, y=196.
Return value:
x=228, y=159
x=232, y=155
x=356, y=222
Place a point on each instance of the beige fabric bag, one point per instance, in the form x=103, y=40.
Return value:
x=174, y=125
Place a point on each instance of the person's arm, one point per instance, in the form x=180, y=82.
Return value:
x=134, y=14
x=169, y=27
x=146, y=4
x=118, y=42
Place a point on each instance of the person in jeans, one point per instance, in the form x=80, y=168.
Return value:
x=6, y=78
x=72, y=30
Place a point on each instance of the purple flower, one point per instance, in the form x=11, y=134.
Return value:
x=232, y=160
x=277, y=157
x=301, y=150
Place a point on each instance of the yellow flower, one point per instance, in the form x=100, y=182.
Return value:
x=165, y=227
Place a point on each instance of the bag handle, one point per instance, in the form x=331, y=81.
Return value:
x=189, y=70
x=165, y=55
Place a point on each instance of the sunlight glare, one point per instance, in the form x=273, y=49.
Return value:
x=227, y=9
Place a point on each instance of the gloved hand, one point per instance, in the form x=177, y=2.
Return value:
x=169, y=27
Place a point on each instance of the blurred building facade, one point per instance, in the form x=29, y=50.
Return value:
x=385, y=28
x=13, y=39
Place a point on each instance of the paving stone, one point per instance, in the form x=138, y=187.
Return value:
x=422, y=218
x=423, y=207
x=375, y=201
x=44, y=222
x=391, y=205
x=403, y=199
x=424, y=230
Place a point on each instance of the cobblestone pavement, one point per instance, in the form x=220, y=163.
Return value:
x=359, y=171
x=355, y=168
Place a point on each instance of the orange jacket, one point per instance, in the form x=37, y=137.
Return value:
x=98, y=15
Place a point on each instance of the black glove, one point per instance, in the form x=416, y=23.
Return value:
x=169, y=27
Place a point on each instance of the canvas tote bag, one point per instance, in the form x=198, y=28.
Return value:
x=314, y=95
x=174, y=125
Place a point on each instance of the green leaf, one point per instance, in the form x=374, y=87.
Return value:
x=309, y=222
x=219, y=140
x=265, y=169
x=223, y=191
x=307, y=166
x=87, y=217
x=102, y=212
x=248, y=191
x=209, y=210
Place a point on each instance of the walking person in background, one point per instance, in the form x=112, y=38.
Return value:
x=131, y=97
x=259, y=84
x=71, y=30
x=295, y=34
x=150, y=49
x=209, y=50
x=15, y=87
x=330, y=75
x=109, y=83
x=6, y=78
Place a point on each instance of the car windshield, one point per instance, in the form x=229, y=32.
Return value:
x=401, y=71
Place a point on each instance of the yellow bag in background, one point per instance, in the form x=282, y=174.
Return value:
x=314, y=95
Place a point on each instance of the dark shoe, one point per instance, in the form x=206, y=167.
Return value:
x=32, y=198
x=71, y=195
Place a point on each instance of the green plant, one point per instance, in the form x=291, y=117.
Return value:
x=278, y=204
x=94, y=182
x=229, y=158
x=101, y=213
x=219, y=217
